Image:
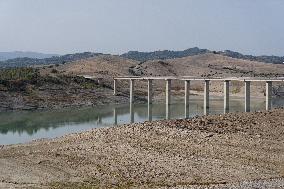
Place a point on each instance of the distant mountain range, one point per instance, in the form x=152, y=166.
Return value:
x=266, y=59
x=31, y=59
x=166, y=54
x=26, y=62
x=21, y=54
x=145, y=56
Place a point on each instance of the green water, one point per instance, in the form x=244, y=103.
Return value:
x=22, y=127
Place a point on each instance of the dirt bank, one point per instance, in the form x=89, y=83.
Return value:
x=195, y=153
x=28, y=90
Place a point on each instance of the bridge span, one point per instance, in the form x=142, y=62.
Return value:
x=187, y=79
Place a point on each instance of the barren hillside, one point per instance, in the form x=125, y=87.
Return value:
x=209, y=64
x=213, y=65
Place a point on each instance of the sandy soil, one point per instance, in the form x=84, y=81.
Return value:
x=217, y=151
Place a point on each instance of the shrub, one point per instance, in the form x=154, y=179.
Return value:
x=54, y=71
x=19, y=74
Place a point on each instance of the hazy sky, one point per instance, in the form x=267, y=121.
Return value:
x=116, y=26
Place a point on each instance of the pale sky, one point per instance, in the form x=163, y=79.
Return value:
x=117, y=26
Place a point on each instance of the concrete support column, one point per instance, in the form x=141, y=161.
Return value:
x=247, y=96
x=268, y=95
x=150, y=91
x=168, y=91
x=168, y=111
x=115, y=116
x=131, y=97
x=206, y=97
x=114, y=87
x=226, y=96
x=168, y=98
x=150, y=113
x=186, y=98
x=131, y=113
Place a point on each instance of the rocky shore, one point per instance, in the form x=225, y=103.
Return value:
x=240, y=150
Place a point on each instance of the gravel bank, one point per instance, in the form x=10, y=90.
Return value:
x=243, y=150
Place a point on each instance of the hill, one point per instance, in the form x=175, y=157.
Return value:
x=166, y=54
x=26, y=62
x=21, y=54
x=135, y=55
x=60, y=85
x=209, y=64
x=162, y=55
x=267, y=59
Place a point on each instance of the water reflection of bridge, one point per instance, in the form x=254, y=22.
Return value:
x=187, y=80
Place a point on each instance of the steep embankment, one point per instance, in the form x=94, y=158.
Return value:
x=27, y=89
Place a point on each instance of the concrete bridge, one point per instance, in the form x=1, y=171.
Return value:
x=187, y=79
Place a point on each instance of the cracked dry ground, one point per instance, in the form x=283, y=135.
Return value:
x=198, y=152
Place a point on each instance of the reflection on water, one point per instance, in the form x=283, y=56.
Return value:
x=20, y=127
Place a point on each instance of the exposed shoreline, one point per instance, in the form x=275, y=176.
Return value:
x=192, y=153
x=107, y=98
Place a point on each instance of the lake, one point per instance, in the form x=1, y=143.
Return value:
x=25, y=126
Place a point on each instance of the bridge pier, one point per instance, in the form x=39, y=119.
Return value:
x=150, y=113
x=114, y=87
x=206, y=97
x=168, y=111
x=187, y=79
x=268, y=95
x=247, y=96
x=131, y=91
x=168, y=91
x=150, y=91
x=115, y=116
x=131, y=113
x=168, y=98
x=226, y=96
x=131, y=97
x=186, y=98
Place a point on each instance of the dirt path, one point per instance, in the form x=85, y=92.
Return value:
x=196, y=153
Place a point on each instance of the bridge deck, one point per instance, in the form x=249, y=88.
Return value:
x=192, y=78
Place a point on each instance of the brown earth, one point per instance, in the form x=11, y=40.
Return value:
x=210, y=151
